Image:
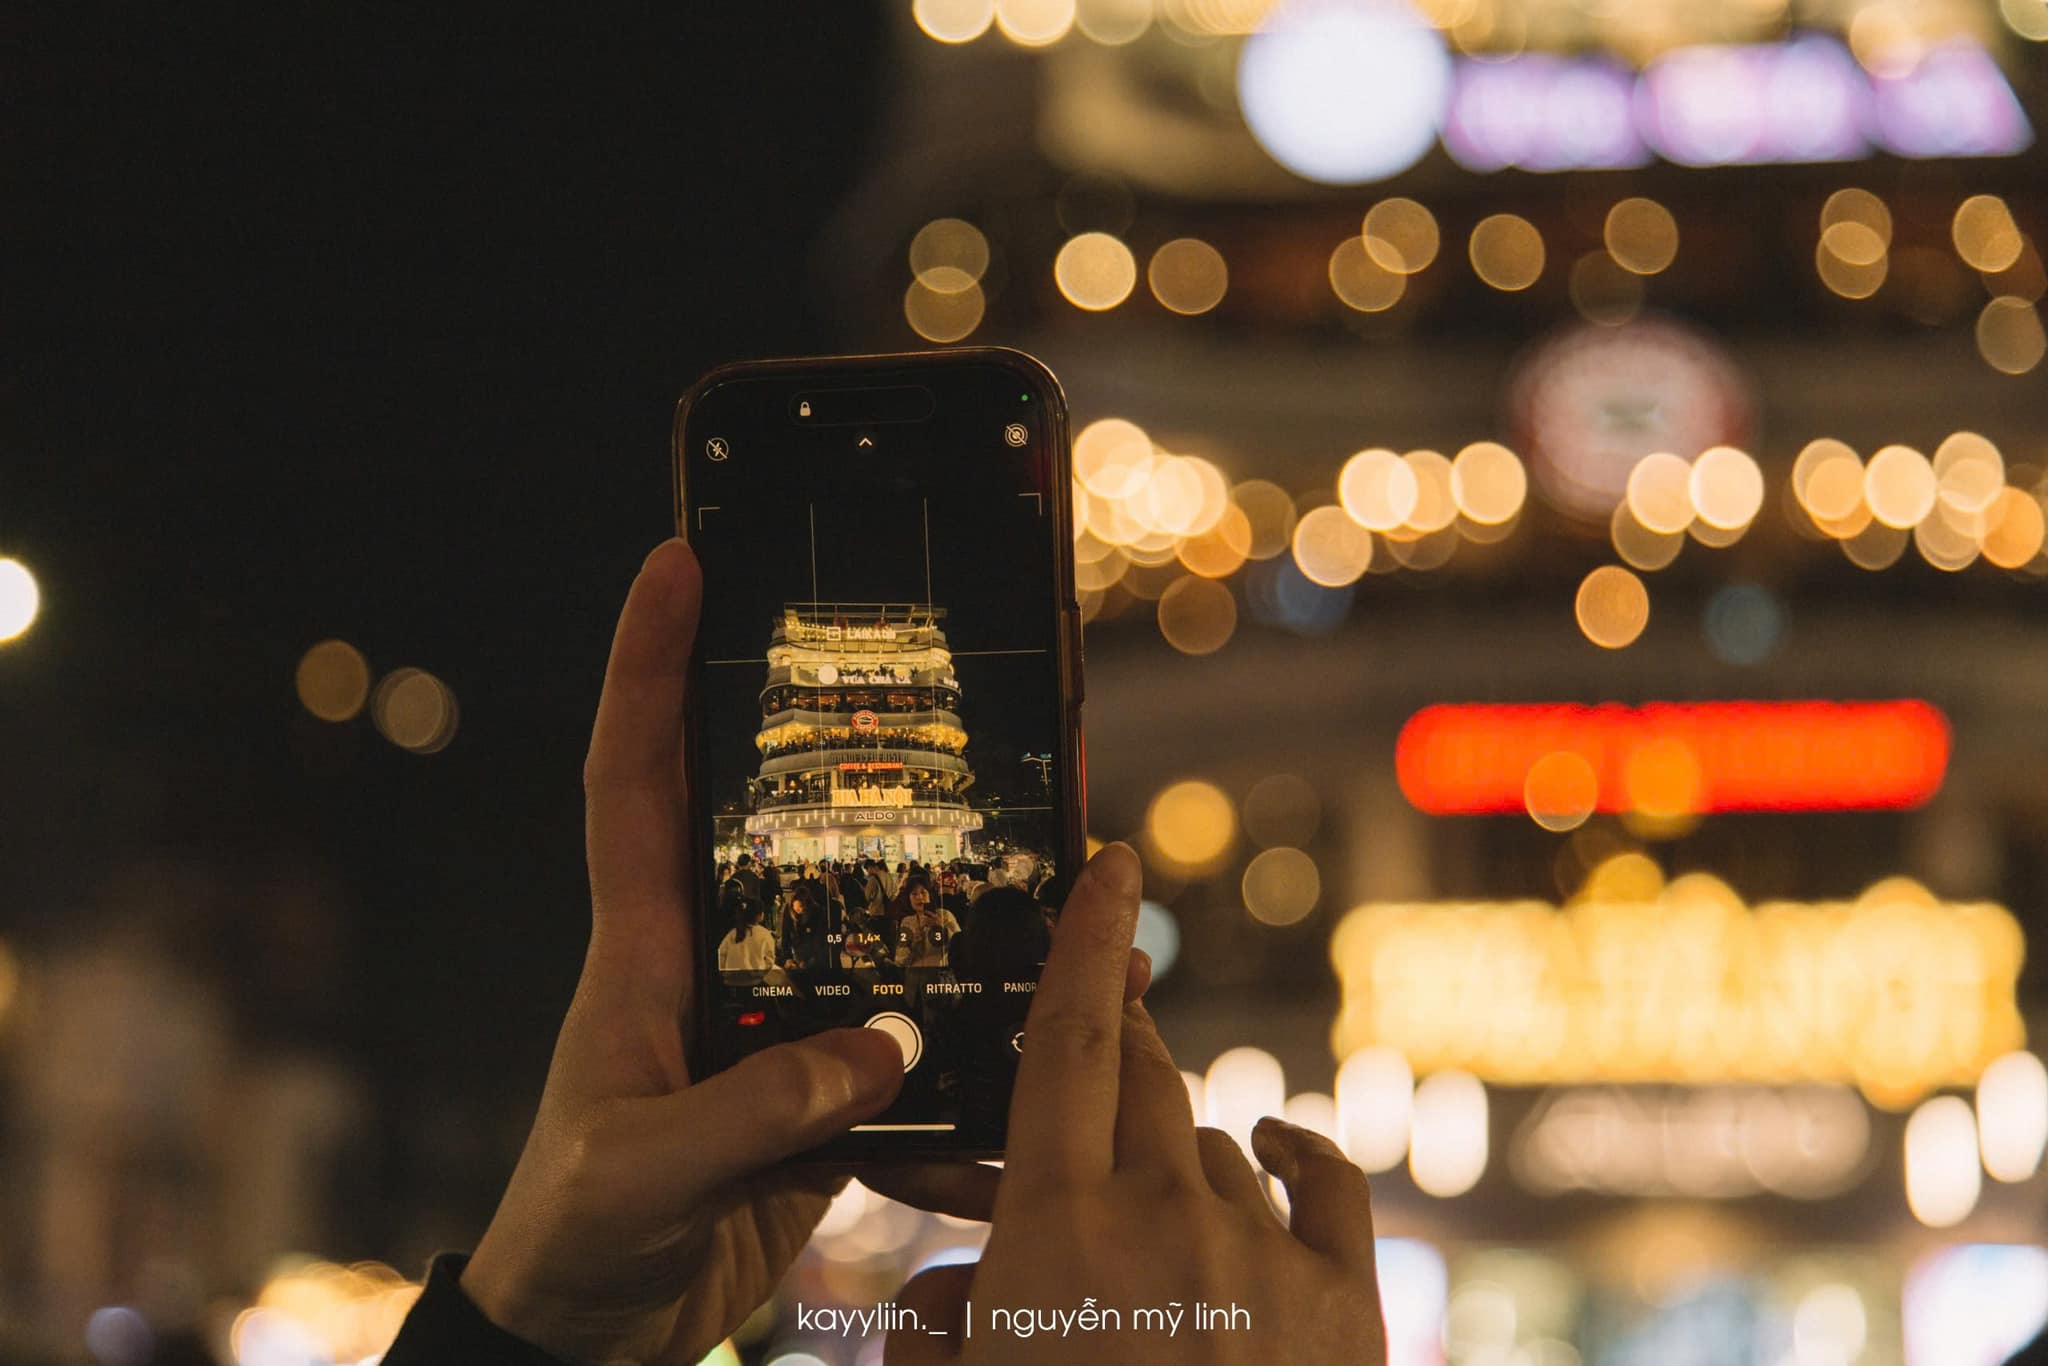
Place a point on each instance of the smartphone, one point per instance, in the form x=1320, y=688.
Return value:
x=884, y=760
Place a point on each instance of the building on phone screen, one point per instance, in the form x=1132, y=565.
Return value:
x=862, y=750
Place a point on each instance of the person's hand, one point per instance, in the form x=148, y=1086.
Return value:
x=1110, y=1193
x=642, y=1222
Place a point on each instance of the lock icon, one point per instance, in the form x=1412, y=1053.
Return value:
x=803, y=409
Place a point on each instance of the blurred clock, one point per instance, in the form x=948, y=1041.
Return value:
x=1590, y=402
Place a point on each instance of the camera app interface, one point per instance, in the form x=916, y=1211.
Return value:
x=882, y=690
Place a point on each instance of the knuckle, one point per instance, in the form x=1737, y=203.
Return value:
x=1077, y=1035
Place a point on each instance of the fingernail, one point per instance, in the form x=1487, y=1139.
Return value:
x=1117, y=865
x=873, y=1062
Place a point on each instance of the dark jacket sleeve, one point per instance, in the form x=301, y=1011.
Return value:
x=445, y=1328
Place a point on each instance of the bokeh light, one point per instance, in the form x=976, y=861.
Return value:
x=1282, y=809
x=1344, y=93
x=1400, y=235
x=1612, y=607
x=1660, y=493
x=1095, y=271
x=1113, y=22
x=1984, y=233
x=1448, y=1140
x=1281, y=886
x=943, y=315
x=1375, y=1104
x=414, y=710
x=1360, y=281
x=1846, y=278
x=948, y=255
x=333, y=680
x=1640, y=547
x=1197, y=615
x=1561, y=791
x=1188, y=275
x=1942, y=1176
x=1489, y=483
x=2010, y=336
x=1969, y=472
x=1269, y=512
x=2014, y=527
x=1158, y=934
x=1899, y=486
x=2012, y=1116
x=1191, y=823
x=1034, y=23
x=1377, y=489
x=1331, y=548
x=1726, y=488
x=1603, y=292
x=1641, y=236
x=1743, y=623
x=1242, y=1087
x=1507, y=252
x=21, y=598
x=954, y=21
x=1861, y=207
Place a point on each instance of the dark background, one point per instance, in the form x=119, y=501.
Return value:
x=328, y=319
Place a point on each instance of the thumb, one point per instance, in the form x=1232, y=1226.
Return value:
x=775, y=1104
x=938, y=1297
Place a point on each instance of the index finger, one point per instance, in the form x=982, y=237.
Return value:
x=633, y=777
x=1063, y=1110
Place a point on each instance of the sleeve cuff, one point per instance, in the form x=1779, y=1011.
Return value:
x=446, y=1327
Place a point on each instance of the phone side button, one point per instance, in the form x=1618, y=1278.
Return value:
x=903, y=1030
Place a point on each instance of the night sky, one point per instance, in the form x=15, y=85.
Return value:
x=368, y=321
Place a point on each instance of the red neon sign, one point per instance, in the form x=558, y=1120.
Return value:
x=1459, y=759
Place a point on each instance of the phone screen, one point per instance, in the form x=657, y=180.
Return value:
x=884, y=739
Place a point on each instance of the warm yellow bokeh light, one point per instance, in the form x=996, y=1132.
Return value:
x=414, y=710
x=1377, y=489
x=1400, y=235
x=1876, y=546
x=1985, y=235
x=1660, y=492
x=1560, y=790
x=1191, y=823
x=1269, y=511
x=1853, y=244
x=1968, y=472
x=954, y=21
x=1638, y=546
x=1641, y=235
x=1849, y=281
x=1602, y=291
x=1361, y=282
x=1113, y=22
x=1844, y=490
x=21, y=598
x=1197, y=615
x=333, y=680
x=1861, y=207
x=1112, y=458
x=2010, y=336
x=1095, y=271
x=1507, y=252
x=1899, y=486
x=1281, y=886
x=1489, y=483
x=943, y=315
x=1436, y=507
x=1221, y=550
x=948, y=255
x=2027, y=18
x=1282, y=808
x=1330, y=548
x=1034, y=23
x=1612, y=607
x=2013, y=528
x=1188, y=275
x=1726, y=487
x=1944, y=546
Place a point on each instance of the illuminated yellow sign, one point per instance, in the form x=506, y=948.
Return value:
x=1895, y=993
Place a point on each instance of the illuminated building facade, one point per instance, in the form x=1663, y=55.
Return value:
x=862, y=750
